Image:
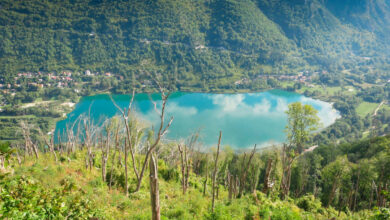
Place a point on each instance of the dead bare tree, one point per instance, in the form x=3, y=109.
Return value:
x=115, y=150
x=230, y=180
x=184, y=159
x=206, y=176
x=72, y=139
x=69, y=137
x=133, y=133
x=215, y=171
x=267, y=181
x=59, y=142
x=105, y=148
x=90, y=132
x=50, y=143
x=254, y=178
x=236, y=185
x=29, y=145
x=244, y=171
x=17, y=154
x=154, y=188
x=125, y=113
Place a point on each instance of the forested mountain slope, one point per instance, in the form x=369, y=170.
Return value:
x=191, y=40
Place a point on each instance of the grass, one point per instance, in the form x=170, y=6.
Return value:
x=366, y=108
x=114, y=201
x=174, y=205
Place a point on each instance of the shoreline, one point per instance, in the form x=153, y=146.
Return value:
x=261, y=145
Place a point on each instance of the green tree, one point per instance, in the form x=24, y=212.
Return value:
x=302, y=119
x=334, y=175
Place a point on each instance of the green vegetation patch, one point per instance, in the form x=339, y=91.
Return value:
x=366, y=108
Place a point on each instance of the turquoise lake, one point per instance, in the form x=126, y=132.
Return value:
x=245, y=119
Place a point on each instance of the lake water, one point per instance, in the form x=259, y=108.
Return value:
x=245, y=119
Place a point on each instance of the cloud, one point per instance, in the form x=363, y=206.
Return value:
x=262, y=108
x=175, y=108
x=228, y=103
x=327, y=114
x=235, y=106
x=245, y=119
x=281, y=105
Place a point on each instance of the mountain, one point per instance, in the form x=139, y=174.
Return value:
x=192, y=40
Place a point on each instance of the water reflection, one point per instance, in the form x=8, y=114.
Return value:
x=245, y=119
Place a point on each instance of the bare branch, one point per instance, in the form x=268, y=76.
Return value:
x=166, y=127
x=130, y=104
x=116, y=105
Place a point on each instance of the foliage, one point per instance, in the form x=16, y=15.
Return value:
x=47, y=188
x=309, y=203
x=194, y=42
x=382, y=213
x=302, y=119
x=25, y=198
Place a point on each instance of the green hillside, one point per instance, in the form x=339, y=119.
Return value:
x=191, y=40
x=47, y=188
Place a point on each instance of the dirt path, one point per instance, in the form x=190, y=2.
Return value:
x=379, y=106
x=33, y=104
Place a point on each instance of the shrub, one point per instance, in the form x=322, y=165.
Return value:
x=381, y=214
x=284, y=213
x=309, y=203
x=24, y=198
x=169, y=174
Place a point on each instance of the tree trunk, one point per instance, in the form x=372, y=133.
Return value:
x=183, y=170
x=267, y=175
x=205, y=181
x=52, y=148
x=236, y=185
x=187, y=166
x=35, y=151
x=154, y=190
x=112, y=169
x=217, y=191
x=341, y=202
x=356, y=192
x=105, y=154
x=2, y=161
x=113, y=157
x=215, y=171
x=372, y=194
x=18, y=157
x=126, y=180
x=230, y=185
x=244, y=172
x=286, y=178
x=333, y=191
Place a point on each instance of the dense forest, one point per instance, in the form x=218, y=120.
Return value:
x=193, y=42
